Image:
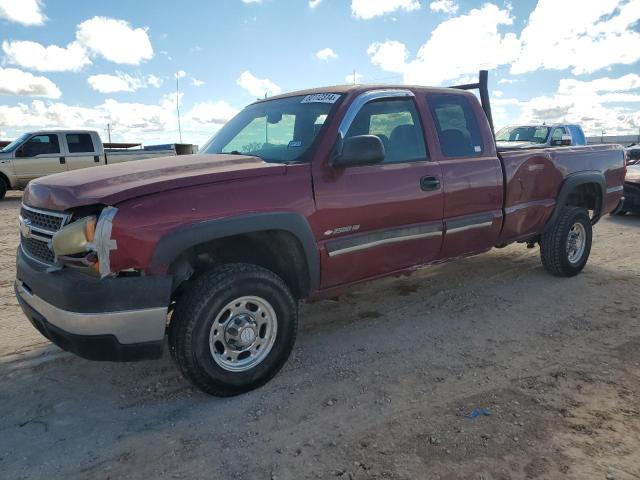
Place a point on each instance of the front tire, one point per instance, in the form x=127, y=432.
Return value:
x=3, y=188
x=234, y=329
x=565, y=247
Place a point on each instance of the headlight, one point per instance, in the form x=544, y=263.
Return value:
x=86, y=243
x=75, y=238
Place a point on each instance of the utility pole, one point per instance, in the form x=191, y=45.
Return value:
x=178, y=106
x=602, y=136
x=354, y=76
x=109, y=131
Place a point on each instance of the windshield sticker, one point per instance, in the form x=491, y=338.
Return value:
x=321, y=98
x=295, y=143
x=477, y=149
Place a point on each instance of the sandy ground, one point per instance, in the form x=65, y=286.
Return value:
x=380, y=385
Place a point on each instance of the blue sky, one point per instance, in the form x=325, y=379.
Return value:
x=84, y=64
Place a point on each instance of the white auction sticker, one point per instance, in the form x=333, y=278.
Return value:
x=321, y=98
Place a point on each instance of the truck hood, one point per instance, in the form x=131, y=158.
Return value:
x=518, y=145
x=111, y=184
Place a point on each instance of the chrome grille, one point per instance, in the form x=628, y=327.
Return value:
x=37, y=227
x=37, y=249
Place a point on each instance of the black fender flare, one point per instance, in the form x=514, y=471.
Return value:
x=172, y=245
x=572, y=181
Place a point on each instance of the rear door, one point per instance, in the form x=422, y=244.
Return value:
x=39, y=156
x=471, y=173
x=81, y=151
x=375, y=219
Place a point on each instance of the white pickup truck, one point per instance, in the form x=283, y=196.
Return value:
x=40, y=153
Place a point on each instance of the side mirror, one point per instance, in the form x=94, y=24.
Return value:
x=566, y=140
x=20, y=153
x=360, y=150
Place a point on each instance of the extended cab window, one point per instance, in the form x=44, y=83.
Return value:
x=396, y=123
x=41, y=145
x=556, y=137
x=80, y=143
x=279, y=130
x=456, y=124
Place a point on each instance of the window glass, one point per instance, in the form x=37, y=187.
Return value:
x=556, y=137
x=523, y=134
x=279, y=130
x=397, y=125
x=79, y=143
x=456, y=124
x=41, y=145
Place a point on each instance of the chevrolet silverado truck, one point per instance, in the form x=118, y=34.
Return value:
x=36, y=154
x=298, y=197
x=539, y=136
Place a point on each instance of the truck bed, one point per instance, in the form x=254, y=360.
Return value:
x=533, y=178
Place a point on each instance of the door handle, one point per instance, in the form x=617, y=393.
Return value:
x=429, y=183
x=62, y=160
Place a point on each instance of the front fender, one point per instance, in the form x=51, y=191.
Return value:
x=172, y=245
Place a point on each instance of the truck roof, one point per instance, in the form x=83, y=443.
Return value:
x=359, y=88
x=60, y=130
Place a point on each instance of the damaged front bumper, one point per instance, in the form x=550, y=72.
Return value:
x=114, y=319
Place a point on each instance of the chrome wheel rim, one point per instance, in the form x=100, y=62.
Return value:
x=243, y=333
x=576, y=242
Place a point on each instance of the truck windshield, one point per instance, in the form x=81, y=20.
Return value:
x=13, y=145
x=279, y=130
x=523, y=134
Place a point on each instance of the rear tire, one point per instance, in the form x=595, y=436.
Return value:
x=234, y=329
x=565, y=247
x=3, y=188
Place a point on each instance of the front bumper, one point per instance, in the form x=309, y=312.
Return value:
x=115, y=319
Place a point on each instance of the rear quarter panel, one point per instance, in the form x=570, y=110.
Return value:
x=533, y=179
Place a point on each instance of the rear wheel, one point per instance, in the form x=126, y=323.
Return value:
x=3, y=188
x=234, y=329
x=565, y=247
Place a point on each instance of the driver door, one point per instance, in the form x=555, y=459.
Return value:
x=37, y=157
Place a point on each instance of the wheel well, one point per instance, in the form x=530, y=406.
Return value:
x=587, y=195
x=6, y=181
x=276, y=250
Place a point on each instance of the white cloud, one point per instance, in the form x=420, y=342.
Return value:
x=26, y=12
x=588, y=103
x=17, y=82
x=368, y=9
x=121, y=82
x=251, y=1
x=444, y=6
x=53, y=58
x=497, y=93
x=506, y=81
x=390, y=55
x=257, y=87
x=180, y=74
x=154, y=81
x=212, y=112
x=354, y=77
x=115, y=40
x=326, y=54
x=314, y=3
x=197, y=83
x=587, y=36
x=433, y=66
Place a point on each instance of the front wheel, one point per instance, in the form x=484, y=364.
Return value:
x=234, y=329
x=565, y=247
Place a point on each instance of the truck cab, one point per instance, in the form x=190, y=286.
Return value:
x=45, y=152
x=540, y=136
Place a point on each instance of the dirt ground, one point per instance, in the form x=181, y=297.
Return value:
x=380, y=386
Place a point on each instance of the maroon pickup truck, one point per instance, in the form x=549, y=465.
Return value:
x=298, y=197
